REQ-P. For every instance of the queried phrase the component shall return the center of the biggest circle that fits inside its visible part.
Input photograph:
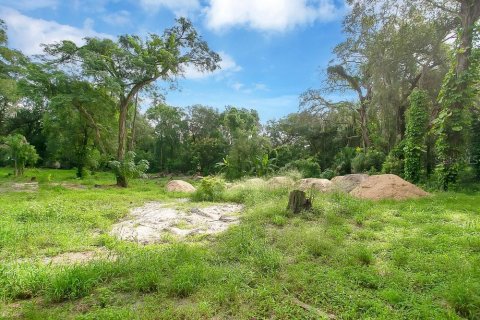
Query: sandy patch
(151, 222)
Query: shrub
(308, 167)
(370, 161)
(395, 161)
(343, 161)
(127, 169)
(210, 189)
(17, 149)
(327, 174)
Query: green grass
(355, 259)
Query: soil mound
(387, 186)
(322, 185)
(180, 186)
(349, 182)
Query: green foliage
(308, 167)
(210, 189)
(328, 174)
(263, 165)
(475, 144)
(17, 150)
(395, 160)
(127, 168)
(456, 98)
(370, 161)
(343, 161)
(417, 125)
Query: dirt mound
(150, 223)
(349, 182)
(387, 186)
(180, 186)
(280, 182)
(322, 185)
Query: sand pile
(349, 182)
(387, 186)
(180, 186)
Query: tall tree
(128, 65)
(459, 91)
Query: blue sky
(272, 50)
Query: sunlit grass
(354, 259)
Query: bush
(395, 161)
(127, 168)
(370, 161)
(308, 167)
(327, 174)
(210, 189)
(343, 161)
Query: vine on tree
(416, 130)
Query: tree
(417, 126)
(128, 168)
(170, 131)
(127, 66)
(458, 93)
(18, 150)
(79, 124)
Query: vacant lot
(346, 259)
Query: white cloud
(31, 4)
(117, 18)
(241, 87)
(227, 66)
(268, 15)
(27, 34)
(179, 7)
(237, 86)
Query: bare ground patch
(151, 222)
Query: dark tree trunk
(122, 138)
(82, 156)
(297, 202)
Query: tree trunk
(298, 202)
(132, 139)
(122, 138)
(364, 126)
(82, 157)
(16, 171)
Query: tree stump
(298, 202)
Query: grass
(354, 259)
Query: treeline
(409, 72)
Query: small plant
(210, 189)
(363, 255)
(127, 169)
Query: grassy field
(346, 259)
